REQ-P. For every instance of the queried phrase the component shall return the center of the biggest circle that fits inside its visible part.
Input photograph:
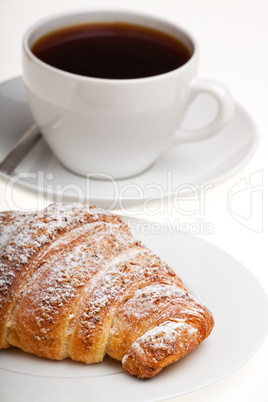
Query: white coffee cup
(99, 126)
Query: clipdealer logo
(245, 201)
(183, 206)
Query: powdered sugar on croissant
(75, 283)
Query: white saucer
(235, 297)
(177, 171)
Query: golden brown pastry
(75, 283)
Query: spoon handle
(20, 149)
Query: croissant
(75, 283)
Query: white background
(233, 36)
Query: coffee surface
(111, 50)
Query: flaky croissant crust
(75, 283)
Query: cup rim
(105, 11)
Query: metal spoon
(20, 149)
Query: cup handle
(225, 109)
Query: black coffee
(111, 50)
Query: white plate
(225, 286)
(179, 169)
